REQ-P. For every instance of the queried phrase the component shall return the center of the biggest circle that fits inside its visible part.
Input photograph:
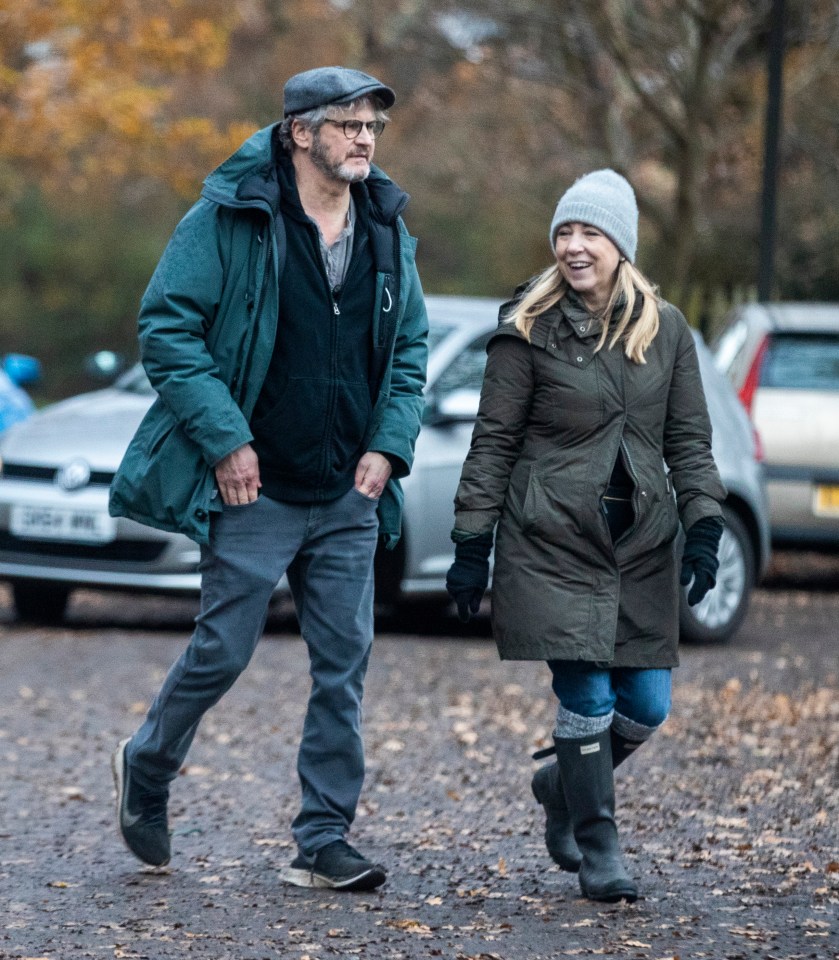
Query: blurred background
(113, 111)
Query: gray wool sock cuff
(571, 726)
(630, 729)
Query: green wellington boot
(559, 833)
(585, 766)
(622, 748)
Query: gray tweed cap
(606, 200)
(325, 85)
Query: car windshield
(438, 330)
(802, 362)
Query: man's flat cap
(325, 85)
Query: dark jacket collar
(579, 318)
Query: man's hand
(371, 474)
(237, 476)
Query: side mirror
(22, 369)
(459, 406)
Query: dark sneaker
(337, 866)
(299, 872)
(141, 814)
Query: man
(284, 330)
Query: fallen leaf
(410, 926)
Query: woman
(591, 386)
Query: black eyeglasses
(352, 128)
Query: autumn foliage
(113, 111)
(89, 89)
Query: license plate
(61, 523)
(827, 500)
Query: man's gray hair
(313, 119)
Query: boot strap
(544, 752)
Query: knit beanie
(605, 200)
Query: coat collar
(576, 318)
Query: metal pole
(770, 153)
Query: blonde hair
(550, 287)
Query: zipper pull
(335, 309)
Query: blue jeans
(637, 700)
(327, 551)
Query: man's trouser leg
(250, 548)
(332, 582)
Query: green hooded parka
(207, 327)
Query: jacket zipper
(385, 309)
(336, 312)
(255, 308)
(635, 496)
(622, 448)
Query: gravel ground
(730, 819)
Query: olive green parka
(555, 414)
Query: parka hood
(250, 175)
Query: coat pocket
(548, 511)
(163, 479)
(659, 522)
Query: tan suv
(783, 359)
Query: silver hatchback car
(783, 360)
(56, 535)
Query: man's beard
(340, 172)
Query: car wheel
(40, 602)
(717, 618)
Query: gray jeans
(327, 551)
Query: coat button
(579, 359)
(582, 328)
(200, 514)
(643, 493)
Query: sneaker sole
(364, 881)
(297, 877)
(118, 771)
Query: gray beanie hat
(326, 85)
(606, 200)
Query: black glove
(699, 560)
(468, 576)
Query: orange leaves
(198, 44)
(94, 91)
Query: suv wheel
(717, 618)
(40, 601)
